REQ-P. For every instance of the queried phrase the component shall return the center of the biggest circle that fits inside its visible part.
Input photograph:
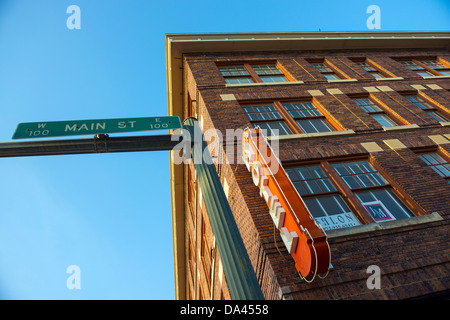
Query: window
(437, 66)
(368, 66)
(427, 67)
(322, 198)
(375, 111)
(374, 72)
(365, 182)
(254, 73)
(437, 163)
(235, 74)
(288, 117)
(308, 118)
(269, 73)
(420, 70)
(325, 70)
(427, 107)
(346, 194)
(267, 117)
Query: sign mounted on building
(83, 127)
(303, 237)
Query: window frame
(431, 106)
(382, 109)
(421, 67)
(290, 121)
(438, 152)
(272, 120)
(374, 68)
(253, 74)
(332, 69)
(320, 117)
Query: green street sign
(86, 127)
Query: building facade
(361, 122)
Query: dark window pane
(314, 207)
(300, 188)
(367, 105)
(321, 125)
(411, 65)
(306, 126)
(366, 166)
(333, 204)
(436, 115)
(274, 128)
(291, 174)
(340, 169)
(317, 172)
(312, 186)
(364, 180)
(321, 67)
(351, 182)
(377, 179)
(301, 109)
(331, 212)
(377, 75)
(331, 76)
(326, 185)
(266, 69)
(303, 173)
(233, 70)
(433, 64)
(268, 79)
(313, 125)
(444, 170)
(384, 120)
(429, 159)
(238, 80)
(353, 167)
(262, 112)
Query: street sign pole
(238, 269)
(241, 277)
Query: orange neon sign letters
(304, 238)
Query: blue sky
(110, 214)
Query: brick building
(363, 124)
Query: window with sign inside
(347, 194)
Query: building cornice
(231, 42)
